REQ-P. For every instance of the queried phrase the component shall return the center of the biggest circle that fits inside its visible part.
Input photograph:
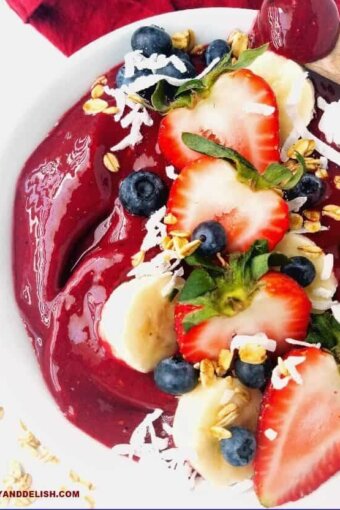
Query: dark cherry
(304, 30)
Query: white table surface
(28, 63)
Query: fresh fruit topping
(209, 189)
(293, 91)
(175, 376)
(137, 323)
(142, 193)
(239, 449)
(324, 285)
(151, 39)
(311, 187)
(305, 416)
(182, 55)
(212, 236)
(216, 49)
(199, 424)
(251, 375)
(215, 304)
(301, 269)
(223, 116)
(173, 72)
(121, 79)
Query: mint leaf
(198, 283)
(189, 86)
(261, 264)
(198, 316)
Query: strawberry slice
(240, 112)
(280, 308)
(306, 418)
(209, 189)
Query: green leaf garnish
(197, 317)
(189, 86)
(196, 260)
(198, 283)
(325, 329)
(262, 263)
(158, 99)
(275, 176)
(187, 94)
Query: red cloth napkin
(71, 24)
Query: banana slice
(138, 323)
(195, 415)
(320, 292)
(294, 94)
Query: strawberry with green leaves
(225, 187)
(245, 298)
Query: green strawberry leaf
(196, 260)
(198, 283)
(275, 176)
(247, 57)
(159, 99)
(325, 329)
(261, 264)
(198, 316)
(189, 86)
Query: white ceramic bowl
(122, 484)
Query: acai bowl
(138, 388)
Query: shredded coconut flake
(259, 339)
(296, 204)
(323, 293)
(290, 363)
(329, 122)
(176, 282)
(270, 434)
(171, 172)
(136, 60)
(336, 311)
(328, 264)
(155, 230)
(153, 452)
(301, 344)
(259, 108)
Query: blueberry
(213, 238)
(173, 72)
(239, 450)
(216, 49)
(151, 39)
(175, 376)
(301, 269)
(121, 79)
(253, 376)
(182, 55)
(310, 187)
(142, 193)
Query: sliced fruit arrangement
(209, 189)
(305, 419)
(244, 299)
(227, 115)
(137, 323)
(293, 92)
(199, 423)
(323, 286)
